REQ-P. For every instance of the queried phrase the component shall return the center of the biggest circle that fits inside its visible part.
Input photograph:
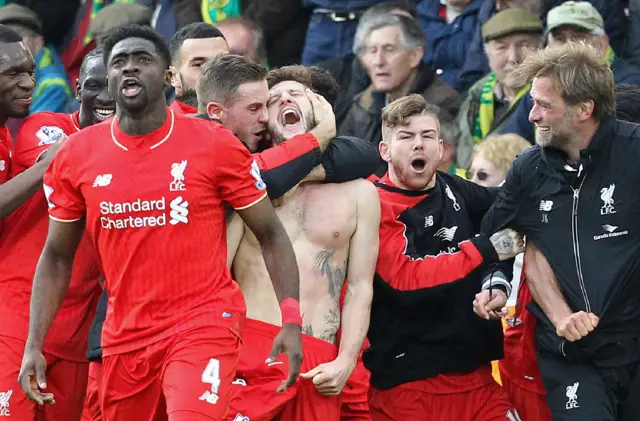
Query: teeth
(104, 112)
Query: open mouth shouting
(131, 87)
(290, 119)
(419, 165)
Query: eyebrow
(133, 52)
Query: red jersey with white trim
(21, 243)
(155, 211)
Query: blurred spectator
(191, 47)
(450, 26)
(448, 136)
(244, 38)
(633, 38)
(52, 90)
(332, 28)
(391, 48)
(348, 70)
(283, 22)
(509, 36)
(476, 64)
(56, 16)
(116, 15)
(628, 102)
(573, 21)
(492, 159)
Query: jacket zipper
(576, 243)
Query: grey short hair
(411, 35)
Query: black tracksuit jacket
(585, 219)
(430, 266)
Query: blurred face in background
(240, 39)
(533, 6)
(566, 33)
(506, 53)
(387, 60)
(484, 173)
(193, 54)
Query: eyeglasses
(482, 176)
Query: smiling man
(334, 231)
(435, 351)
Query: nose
(534, 114)
(418, 143)
(103, 96)
(264, 116)
(379, 58)
(27, 82)
(513, 53)
(130, 67)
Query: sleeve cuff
(486, 249)
(497, 280)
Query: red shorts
(184, 377)
(67, 380)
(254, 394)
(408, 402)
(91, 411)
(355, 395)
(530, 405)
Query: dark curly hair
(136, 31)
(318, 80)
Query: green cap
(574, 13)
(511, 21)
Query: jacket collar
(601, 138)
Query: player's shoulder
(202, 129)
(528, 158)
(45, 127)
(361, 189)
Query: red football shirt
(154, 211)
(182, 108)
(21, 243)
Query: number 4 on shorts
(211, 375)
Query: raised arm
(50, 284)
(330, 378)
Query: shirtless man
(334, 232)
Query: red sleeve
(287, 151)
(36, 134)
(61, 187)
(405, 273)
(237, 173)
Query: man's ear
(385, 151)
(78, 90)
(215, 111)
(174, 79)
(585, 110)
(416, 57)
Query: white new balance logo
(209, 397)
(179, 211)
(102, 180)
(241, 417)
(546, 205)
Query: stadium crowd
(316, 210)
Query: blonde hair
(402, 109)
(501, 150)
(579, 73)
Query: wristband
(290, 309)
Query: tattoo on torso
(323, 268)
